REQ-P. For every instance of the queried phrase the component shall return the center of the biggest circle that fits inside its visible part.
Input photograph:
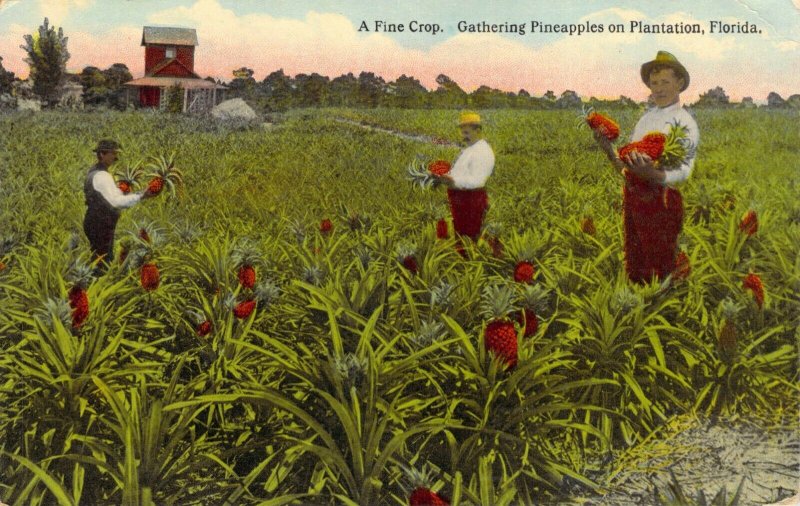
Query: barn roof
(169, 35)
(183, 82)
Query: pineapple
(442, 296)
(424, 173)
(80, 275)
(129, 178)
(500, 334)
(406, 255)
(263, 295)
(245, 257)
(429, 332)
(728, 334)
(625, 300)
(418, 486)
(313, 275)
(534, 304)
(164, 175)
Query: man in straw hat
(467, 178)
(652, 207)
(104, 202)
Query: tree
(775, 100)
(370, 89)
(6, 79)
(105, 87)
(485, 97)
(449, 94)
(550, 96)
(406, 92)
(344, 90)
(243, 83)
(47, 58)
(311, 90)
(277, 89)
(568, 100)
(713, 98)
(175, 98)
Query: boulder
(233, 109)
(24, 104)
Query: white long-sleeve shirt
(104, 183)
(658, 119)
(473, 166)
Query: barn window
(170, 52)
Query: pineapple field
(290, 321)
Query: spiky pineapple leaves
(164, 175)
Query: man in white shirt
(652, 207)
(467, 178)
(104, 202)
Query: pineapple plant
(406, 255)
(6, 245)
(201, 324)
(80, 275)
(245, 258)
(326, 226)
(313, 274)
(534, 304)
(587, 226)
(263, 294)
(500, 333)
(425, 173)
(753, 283)
(164, 175)
(128, 179)
(429, 332)
(491, 233)
(683, 267)
(749, 223)
(728, 333)
(418, 486)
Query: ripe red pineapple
(607, 126)
(149, 276)
(753, 283)
(500, 334)
(682, 267)
(728, 334)
(204, 328)
(164, 175)
(749, 223)
(244, 309)
(439, 167)
(587, 226)
(422, 496)
(155, 185)
(2, 266)
(533, 306)
(124, 187)
(441, 229)
(406, 255)
(247, 276)
(326, 226)
(79, 303)
(524, 271)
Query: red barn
(169, 62)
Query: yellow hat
(665, 58)
(469, 118)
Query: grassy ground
(353, 369)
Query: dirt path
(428, 139)
(705, 456)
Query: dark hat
(107, 145)
(664, 58)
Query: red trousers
(468, 208)
(653, 217)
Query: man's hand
(446, 180)
(642, 165)
(603, 142)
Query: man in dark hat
(652, 206)
(104, 202)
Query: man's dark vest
(100, 215)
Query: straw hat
(469, 118)
(665, 58)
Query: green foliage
(174, 99)
(47, 58)
(350, 370)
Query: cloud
(57, 10)
(605, 65)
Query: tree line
(47, 56)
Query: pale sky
(322, 36)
